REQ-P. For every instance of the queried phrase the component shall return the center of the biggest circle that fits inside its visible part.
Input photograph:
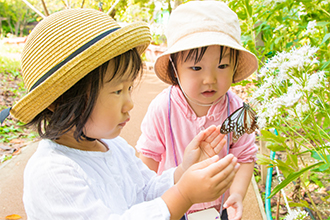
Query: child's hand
(208, 180)
(206, 144)
(234, 205)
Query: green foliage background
(268, 26)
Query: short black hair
(197, 54)
(74, 107)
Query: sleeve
(156, 185)
(153, 129)
(60, 191)
(245, 149)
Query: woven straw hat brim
(136, 35)
(247, 63)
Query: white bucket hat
(203, 23)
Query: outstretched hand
(208, 180)
(206, 144)
(234, 205)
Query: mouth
(124, 123)
(208, 93)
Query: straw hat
(66, 46)
(204, 23)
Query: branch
(113, 7)
(33, 8)
(45, 8)
(82, 4)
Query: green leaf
(322, 168)
(275, 147)
(292, 160)
(264, 160)
(325, 65)
(248, 7)
(322, 23)
(284, 167)
(320, 156)
(326, 37)
(270, 136)
(290, 178)
(301, 204)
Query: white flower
(290, 98)
(311, 28)
(301, 109)
(315, 81)
(286, 78)
(296, 215)
(261, 122)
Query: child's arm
(238, 189)
(202, 182)
(151, 163)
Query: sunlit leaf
(326, 37)
(290, 178)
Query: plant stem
(322, 103)
(294, 131)
(321, 9)
(314, 123)
(310, 197)
(310, 136)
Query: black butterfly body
(243, 120)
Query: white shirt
(66, 183)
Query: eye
(118, 92)
(196, 68)
(223, 66)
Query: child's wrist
(178, 173)
(185, 198)
(176, 202)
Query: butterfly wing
(244, 119)
(250, 120)
(234, 123)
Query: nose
(128, 104)
(210, 77)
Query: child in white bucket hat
(204, 57)
(79, 66)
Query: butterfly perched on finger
(243, 120)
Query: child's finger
(209, 131)
(197, 139)
(219, 146)
(206, 163)
(215, 135)
(226, 170)
(225, 163)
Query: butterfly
(243, 120)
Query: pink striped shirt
(155, 140)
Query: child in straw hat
(204, 57)
(79, 66)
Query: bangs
(127, 66)
(197, 54)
